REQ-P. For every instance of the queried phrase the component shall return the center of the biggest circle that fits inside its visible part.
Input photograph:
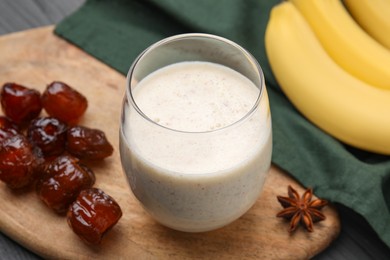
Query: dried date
(64, 102)
(49, 134)
(19, 164)
(19, 103)
(63, 179)
(87, 143)
(93, 214)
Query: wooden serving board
(37, 57)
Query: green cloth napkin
(117, 31)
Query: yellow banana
(346, 42)
(340, 104)
(373, 16)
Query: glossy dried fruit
(63, 102)
(49, 134)
(87, 143)
(19, 103)
(63, 180)
(93, 214)
(18, 162)
(7, 128)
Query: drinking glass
(196, 180)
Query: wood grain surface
(37, 57)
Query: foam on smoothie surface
(195, 96)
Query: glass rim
(249, 56)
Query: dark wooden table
(356, 241)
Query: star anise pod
(301, 209)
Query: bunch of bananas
(333, 71)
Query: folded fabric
(117, 31)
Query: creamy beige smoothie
(200, 160)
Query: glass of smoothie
(195, 136)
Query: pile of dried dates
(48, 152)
